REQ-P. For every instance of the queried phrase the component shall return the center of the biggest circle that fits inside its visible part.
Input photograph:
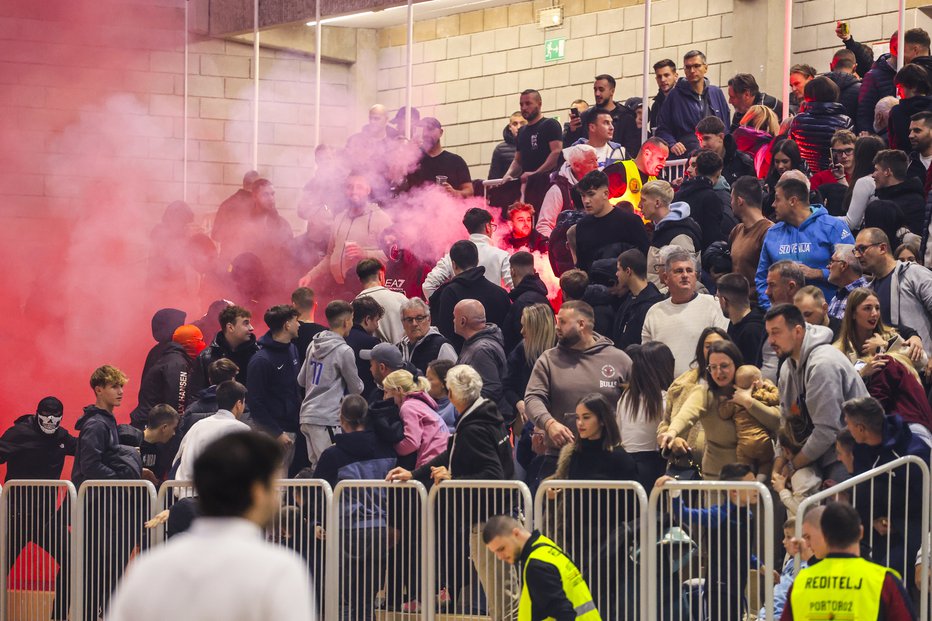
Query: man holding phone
(842, 149)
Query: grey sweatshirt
(328, 373)
(827, 379)
(563, 375)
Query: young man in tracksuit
(272, 382)
(329, 373)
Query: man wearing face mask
(35, 448)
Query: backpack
(560, 257)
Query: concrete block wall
(106, 79)
(469, 68)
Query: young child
(803, 482)
(755, 447)
(728, 535)
(782, 587)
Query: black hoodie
(900, 115)
(468, 285)
(705, 208)
(220, 348)
(736, 163)
(850, 87)
(748, 334)
(355, 455)
(908, 196)
(531, 290)
(629, 320)
(29, 453)
(272, 392)
(98, 453)
(164, 324)
(503, 155)
(170, 380)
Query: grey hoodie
(485, 352)
(563, 375)
(824, 379)
(328, 373)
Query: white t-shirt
(678, 326)
(925, 160)
(638, 435)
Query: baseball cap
(384, 353)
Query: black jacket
(355, 455)
(876, 84)
(603, 305)
(705, 207)
(170, 380)
(900, 115)
(629, 320)
(98, 453)
(667, 230)
(624, 121)
(306, 332)
(30, 453)
(479, 449)
(908, 197)
(220, 348)
(545, 586)
(762, 99)
(736, 163)
(517, 375)
(813, 128)
(359, 340)
(272, 389)
(530, 291)
(164, 324)
(470, 284)
(503, 155)
(749, 334)
(849, 87)
(654, 113)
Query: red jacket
(899, 391)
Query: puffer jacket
(849, 87)
(877, 84)
(503, 155)
(900, 114)
(812, 129)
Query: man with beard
(437, 165)
(523, 236)
(538, 149)
(582, 363)
(623, 123)
(404, 271)
(666, 76)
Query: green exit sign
(554, 49)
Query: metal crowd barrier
(674, 169)
(301, 526)
(883, 497)
(465, 579)
(600, 525)
(710, 546)
(374, 551)
(111, 531)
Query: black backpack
(560, 257)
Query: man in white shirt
(678, 322)
(371, 274)
(223, 569)
(231, 403)
(478, 223)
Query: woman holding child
(738, 410)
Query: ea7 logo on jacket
(795, 248)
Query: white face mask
(48, 424)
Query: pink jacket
(425, 432)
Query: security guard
(552, 586)
(627, 177)
(843, 585)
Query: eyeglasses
(863, 248)
(417, 319)
(715, 368)
(849, 151)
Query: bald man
(372, 133)
(235, 209)
(483, 349)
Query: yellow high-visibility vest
(574, 585)
(626, 186)
(838, 588)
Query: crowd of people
(767, 317)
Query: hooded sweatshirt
(485, 352)
(30, 453)
(272, 390)
(425, 433)
(531, 290)
(705, 208)
(503, 155)
(677, 229)
(564, 375)
(849, 87)
(98, 451)
(170, 380)
(812, 244)
(329, 373)
(363, 230)
(491, 257)
(816, 386)
(164, 324)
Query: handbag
(688, 471)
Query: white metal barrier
(374, 551)
(710, 556)
(674, 169)
(600, 525)
(36, 549)
(464, 575)
(883, 497)
(111, 517)
(301, 526)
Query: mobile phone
(845, 29)
(835, 158)
(574, 112)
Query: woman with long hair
(784, 156)
(705, 402)
(861, 187)
(759, 126)
(641, 407)
(882, 357)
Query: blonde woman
(425, 434)
(758, 128)
(538, 332)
